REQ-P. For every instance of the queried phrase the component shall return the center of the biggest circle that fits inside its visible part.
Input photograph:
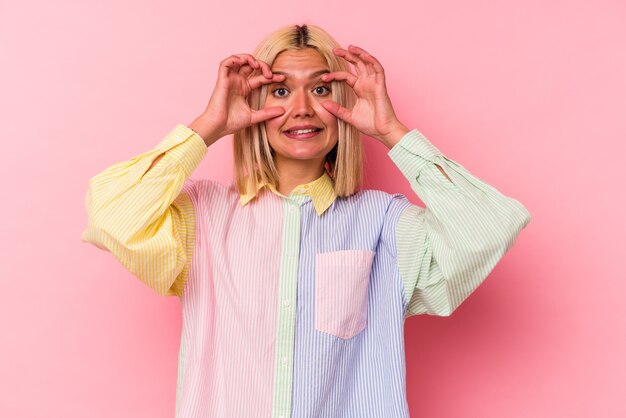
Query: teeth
(302, 131)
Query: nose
(302, 105)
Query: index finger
(366, 56)
(354, 59)
(340, 75)
(259, 80)
(265, 68)
(252, 62)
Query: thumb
(337, 110)
(267, 113)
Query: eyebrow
(313, 75)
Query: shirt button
(285, 360)
(286, 302)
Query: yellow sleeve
(146, 218)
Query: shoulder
(207, 190)
(375, 195)
(375, 200)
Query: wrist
(205, 130)
(394, 135)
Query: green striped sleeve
(448, 248)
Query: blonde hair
(252, 151)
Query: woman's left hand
(372, 113)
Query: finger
(246, 70)
(232, 60)
(351, 58)
(354, 60)
(232, 63)
(367, 57)
(265, 68)
(259, 80)
(252, 62)
(236, 61)
(364, 66)
(349, 78)
(267, 113)
(338, 110)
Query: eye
(321, 90)
(280, 92)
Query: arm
(136, 211)
(141, 211)
(446, 250)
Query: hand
(228, 111)
(372, 113)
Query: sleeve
(146, 218)
(446, 250)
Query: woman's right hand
(228, 110)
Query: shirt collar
(322, 192)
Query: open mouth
(302, 133)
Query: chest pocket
(341, 291)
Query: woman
(294, 283)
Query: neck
(293, 173)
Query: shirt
(294, 306)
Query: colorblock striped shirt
(294, 306)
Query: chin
(302, 157)
(302, 153)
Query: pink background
(529, 96)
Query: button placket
(287, 290)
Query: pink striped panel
(341, 288)
(230, 306)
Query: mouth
(302, 133)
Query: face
(306, 132)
